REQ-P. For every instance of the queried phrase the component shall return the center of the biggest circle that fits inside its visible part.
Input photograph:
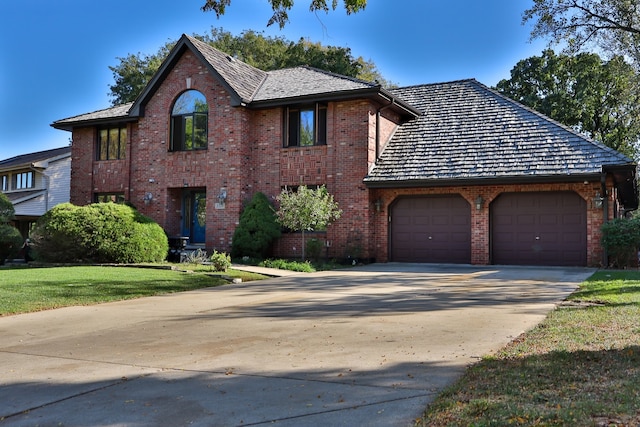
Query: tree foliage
(596, 97)
(307, 210)
(267, 53)
(256, 230)
(7, 211)
(612, 25)
(281, 8)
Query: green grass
(580, 367)
(24, 290)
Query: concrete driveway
(368, 346)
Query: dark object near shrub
(256, 230)
(10, 242)
(101, 232)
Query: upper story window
(189, 118)
(23, 180)
(4, 183)
(305, 126)
(112, 143)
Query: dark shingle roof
(241, 78)
(109, 114)
(469, 132)
(30, 158)
(305, 81)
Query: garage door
(431, 229)
(539, 229)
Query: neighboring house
(451, 172)
(35, 183)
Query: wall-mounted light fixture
(598, 200)
(479, 203)
(148, 197)
(221, 199)
(378, 205)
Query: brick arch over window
(189, 122)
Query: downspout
(605, 210)
(378, 116)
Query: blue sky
(54, 55)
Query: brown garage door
(539, 229)
(434, 229)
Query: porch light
(222, 197)
(479, 203)
(598, 200)
(378, 204)
(148, 197)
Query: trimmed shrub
(10, 242)
(621, 240)
(257, 229)
(101, 232)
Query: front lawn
(580, 367)
(24, 290)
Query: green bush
(10, 242)
(256, 230)
(621, 240)
(101, 232)
(283, 264)
(220, 261)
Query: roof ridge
(332, 74)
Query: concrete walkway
(368, 346)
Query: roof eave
(480, 181)
(376, 93)
(69, 126)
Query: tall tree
(593, 96)
(612, 25)
(133, 72)
(306, 210)
(281, 8)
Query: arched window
(189, 122)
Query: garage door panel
(439, 226)
(545, 229)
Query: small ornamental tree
(307, 210)
(10, 237)
(256, 230)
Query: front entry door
(195, 213)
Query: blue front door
(195, 214)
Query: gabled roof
(247, 85)
(31, 159)
(470, 134)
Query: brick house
(450, 172)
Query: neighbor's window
(4, 183)
(112, 143)
(23, 180)
(306, 126)
(189, 122)
(109, 197)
